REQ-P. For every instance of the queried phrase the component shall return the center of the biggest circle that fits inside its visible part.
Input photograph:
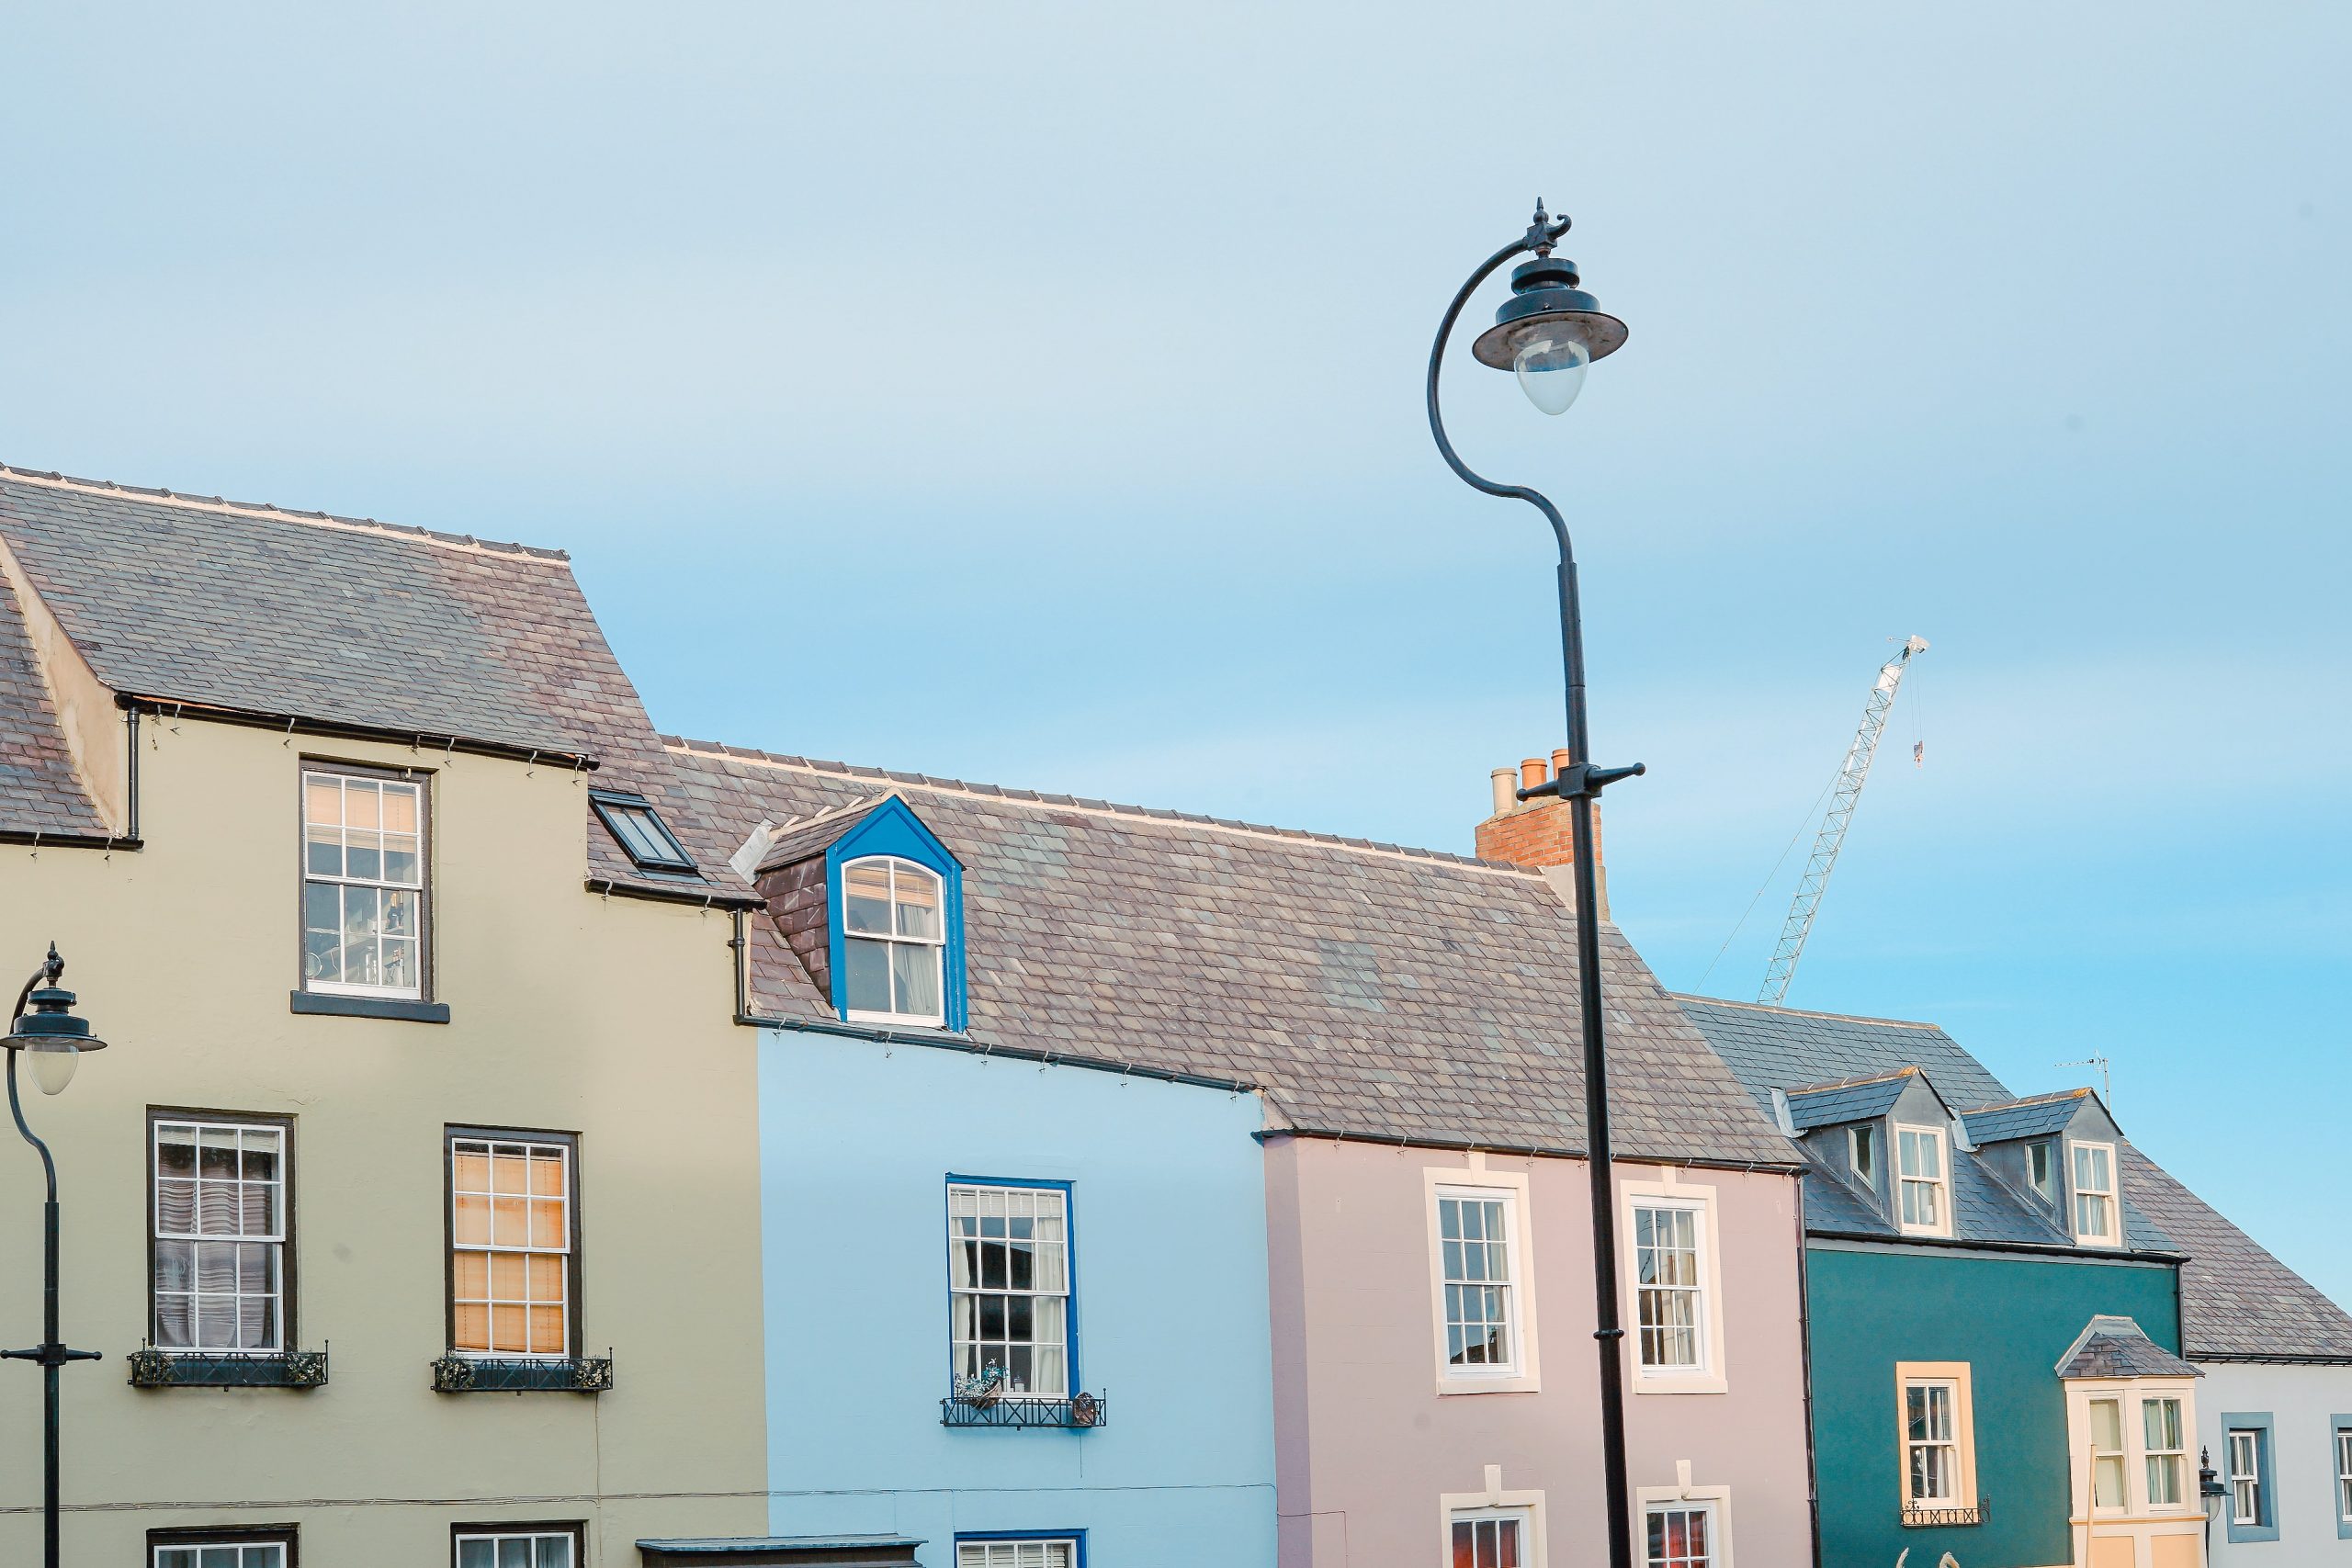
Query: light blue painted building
(1165, 1218)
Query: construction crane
(1845, 796)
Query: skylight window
(639, 831)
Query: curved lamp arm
(1540, 237)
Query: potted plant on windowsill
(982, 1390)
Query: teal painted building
(2010, 1317)
(1993, 1325)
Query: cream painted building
(421, 1068)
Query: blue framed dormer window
(896, 931)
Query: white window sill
(895, 1020)
(1680, 1382)
(1500, 1382)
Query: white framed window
(893, 941)
(1925, 1198)
(2097, 1216)
(1670, 1287)
(1671, 1261)
(514, 1233)
(2342, 1473)
(218, 1259)
(1862, 1150)
(1474, 1227)
(1939, 1437)
(1009, 1289)
(2108, 1489)
(535, 1547)
(2246, 1476)
(1027, 1552)
(218, 1549)
(363, 884)
(2040, 1171)
(1680, 1535)
(2167, 1453)
(1491, 1537)
(1482, 1269)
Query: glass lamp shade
(54, 1062)
(1551, 370)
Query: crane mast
(1846, 795)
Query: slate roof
(1857, 1101)
(40, 790)
(344, 621)
(2237, 1300)
(2036, 1116)
(2116, 1347)
(1772, 1047)
(798, 842)
(1368, 990)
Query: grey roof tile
(266, 612)
(1384, 995)
(2236, 1298)
(40, 790)
(1857, 1101)
(2117, 1347)
(2037, 1116)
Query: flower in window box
(983, 1389)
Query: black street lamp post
(1548, 333)
(55, 1040)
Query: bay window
(2167, 1451)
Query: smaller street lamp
(2210, 1492)
(55, 1038)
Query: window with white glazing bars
(512, 1227)
(1008, 1250)
(2094, 1192)
(2246, 1477)
(1919, 1153)
(1475, 1242)
(1931, 1439)
(2108, 1474)
(1056, 1553)
(1678, 1535)
(2166, 1452)
(515, 1549)
(219, 1264)
(1670, 1310)
(894, 941)
(221, 1553)
(363, 884)
(1490, 1538)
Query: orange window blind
(511, 1229)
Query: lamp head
(50, 1033)
(1549, 330)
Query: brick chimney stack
(1536, 832)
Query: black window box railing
(1916, 1517)
(523, 1374)
(151, 1368)
(1078, 1413)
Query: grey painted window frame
(2265, 1474)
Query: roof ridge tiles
(2044, 1098)
(1906, 1071)
(1100, 807)
(1803, 1012)
(53, 480)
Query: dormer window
(2097, 1218)
(639, 831)
(894, 941)
(1862, 1147)
(1925, 1196)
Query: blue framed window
(897, 931)
(2251, 1509)
(1013, 1291)
(1021, 1549)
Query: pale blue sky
(1032, 394)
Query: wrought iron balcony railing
(523, 1374)
(1917, 1517)
(1078, 1413)
(151, 1368)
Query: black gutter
(2030, 1249)
(302, 724)
(43, 841)
(941, 1039)
(707, 899)
(1530, 1151)
(1805, 1343)
(2252, 1359)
